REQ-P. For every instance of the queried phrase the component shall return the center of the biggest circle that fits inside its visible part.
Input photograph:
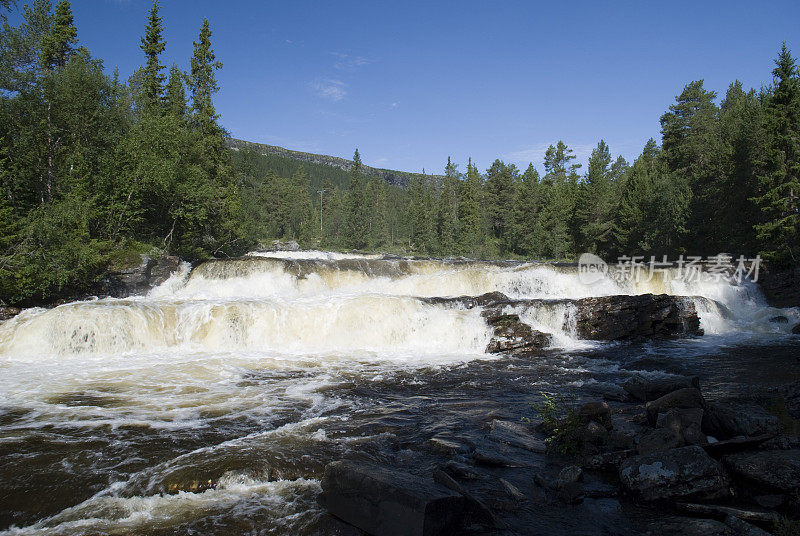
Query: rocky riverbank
(708, 467)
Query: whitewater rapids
(216, 397)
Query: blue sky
(410, 83)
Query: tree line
(95, 170)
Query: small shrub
(562, 424)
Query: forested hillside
(95, 170)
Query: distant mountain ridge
(395, 178)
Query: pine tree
(499, 188)
(779, 171)
(153, 45)
(59, 44)
(691, 149)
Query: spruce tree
(471, 215)
(447, 210)
(595, 203)
(153, 45)
(357, 218)
(525, 212)
(779, 171)
(175, 94)
(203, 83)
(59, 43)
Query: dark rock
(780, 319)
(596, 411)
(777, 470)
(682, 473)
(568, 475)
(571, 493)
(512, 490)
(7, 313)
(659, 440)
(625, 317)
(383, 501)
(460, 471)
(686, 422)
(736, 444)
(624, 433)
(791, 392)
(594, 434)
(689, 397)
(761, 516)
(136, 280)
(441, 445)
(689, 526)
(725, 421)
(796, 329)
(485, 455)
(279, 245)
(516, 435)
(609, 461)
(744, 528)
(484, 514)
(333, 526)
(770, 501)
(647, 389)
(609, 391)
(512, 336)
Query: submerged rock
(681, 473)
(383, 501)
(9, 312)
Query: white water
(186, 355)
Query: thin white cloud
(535, 153)
(347, 61)
(329, 88)
(394, 105)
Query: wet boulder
(516, 435)
(729, 420)
(124, 281)
(687, 398)
(677, 474)
(659, 440)
(383, 501)
(686, 422)
(796, 329)
(512, 336)
(650, 388)
(597, 411)
(774, 470)
(780, 319)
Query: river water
(212, 404)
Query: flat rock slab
(516, 435)
(681, 473)
(725, 421)
(762, 516)
(387, 502)
(774, 469)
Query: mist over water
(216, 400)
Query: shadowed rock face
(139, 279)
(646, 316)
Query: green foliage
(562, 422)
(153, 45)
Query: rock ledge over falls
(605, 318)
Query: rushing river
(213, 404)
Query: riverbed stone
(729, 420)
(647, 389)
(681, 473)
(690, 526)
(597, 411)
(686, 422)
(776, 470)
(796, 329)
(659, 440)
(383, 501)
(689, 397)
(516, 435)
